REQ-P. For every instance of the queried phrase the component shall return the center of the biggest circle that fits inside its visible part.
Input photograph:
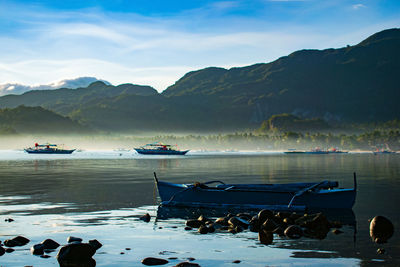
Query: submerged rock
(154, 261)
(187, 264)
(380, 229)
(145, 218)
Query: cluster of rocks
(75, 253)
(267, 223)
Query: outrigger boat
(48, 149)
(160, 149)
(291, 196)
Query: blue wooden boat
(48, 149)
(160, 149)
(292, 196)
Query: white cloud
(358, 6)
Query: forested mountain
(359, 83)
(31, 120)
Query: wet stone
(194, 223)
(2, 251)
(75, 252)
(37, 249)
(187, 228)
(236, 261)
(265, 237)
(9, 250)
(73, 239)
(45, 256)
(203, 229)
(293, 232)
(16, 241)
(50, 244)
(145, 218)
(153, 261)
(187, 264)
(263, 215)
(381, 229)
(337, 231)
(381, 251)
(95, 244)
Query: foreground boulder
(37, 249)
(187, 264)
(380, 229)
(76, 254)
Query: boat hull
(189, 195)
(49, 151)
(160, 152)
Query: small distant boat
(48, 149)
(335, 150)
(294, 151)
(160, 149)
(384, 151)
(317, 150)
(292, 196)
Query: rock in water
(74, 239)
(154, 261)
(293, 232)
(95, 244)
(265, 237)
(76, 253)
(2, 251)
(194, 223)
(380, 229)
(37, 249)
(187, 264)
(145, 218)
(16, 241)
(50, 244)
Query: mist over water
(99, 194)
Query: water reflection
(101, 197)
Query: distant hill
(66, 100)
(359, 83)
(31, 120)
(290, 123)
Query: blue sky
(157, 42)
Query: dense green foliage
(355, 84)
(29, 120)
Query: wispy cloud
(358, 6)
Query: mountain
(357, 83)
(66, 100)
(31, 120)
(16, 88)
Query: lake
(100, 195)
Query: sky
(155, 42)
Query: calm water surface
(100, 194)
